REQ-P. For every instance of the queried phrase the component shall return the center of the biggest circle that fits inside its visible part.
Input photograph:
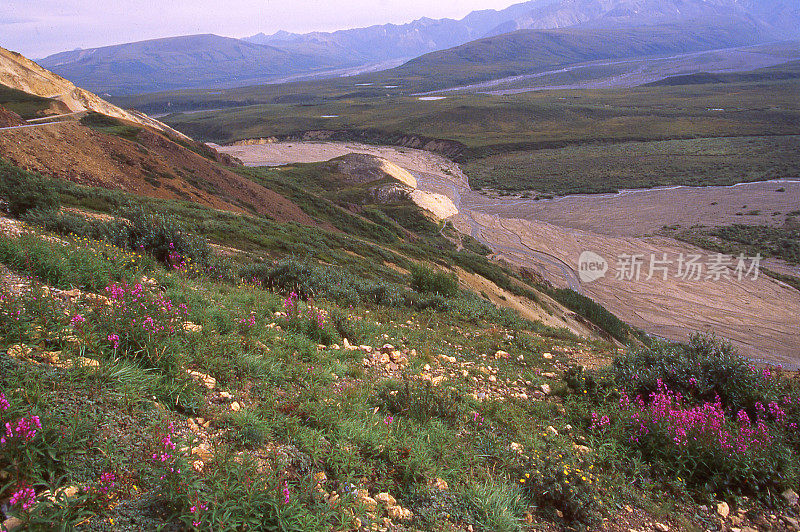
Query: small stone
(225, 395)
(790, 496)
(188, 326)
(492, 378)
(549, 375)
(366, 348)
(235, 406)
(791, 521)
(201, 378)
(516, 447)
(12, 523)
(660, 527)
(582, 449)
(547, 356)
(723, 510)
(387, 348)
(551, 431)
(203, 452)
(501, 354)
(386, 499)
(19, 351)
(545, 389)
(398, 513)
(440, 484)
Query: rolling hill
(22, 80)
(525, 51)
(206, 61)
(178, 62)
(101, 145)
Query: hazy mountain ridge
(210, 61)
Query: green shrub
(557, 477)
(703, 370)
(24, 191)
(700, 414)
(315, 281)
(430, 281)
(421, 400)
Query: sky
(37, 28)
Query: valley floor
(757, 315)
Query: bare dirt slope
(9, 118)
(152, 166)
(19, 72)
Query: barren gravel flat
(758, 316)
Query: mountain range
(209, 61)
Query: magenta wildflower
(4, 405)
(25, 495)
(114, 340)
(285, 492)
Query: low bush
(698, 413)
(24, 191)
(557, 478)
(429, 281)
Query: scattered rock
(551, 431)
(12, 523)
(545, 389)
(791, 521)
(723, 510)
(386, 499)
(225, 395)
(660, 527)
(203, 452)
(440, 484)
(790, 496)
(201, 378)
(387, 349)
(398, 513)
(547, 356)
(19, 351)
(501, 354)
(188, 326)
(582, 449)
(516, 447)
(235, 406)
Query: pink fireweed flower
(4, 405)
(25, 495)
(285, 492)
(107, 482)
(388, 419)
(77, 320)
(114, 340)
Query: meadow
(550, 141)
(152, 380)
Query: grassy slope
(314, 424)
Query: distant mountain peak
(211, 61)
